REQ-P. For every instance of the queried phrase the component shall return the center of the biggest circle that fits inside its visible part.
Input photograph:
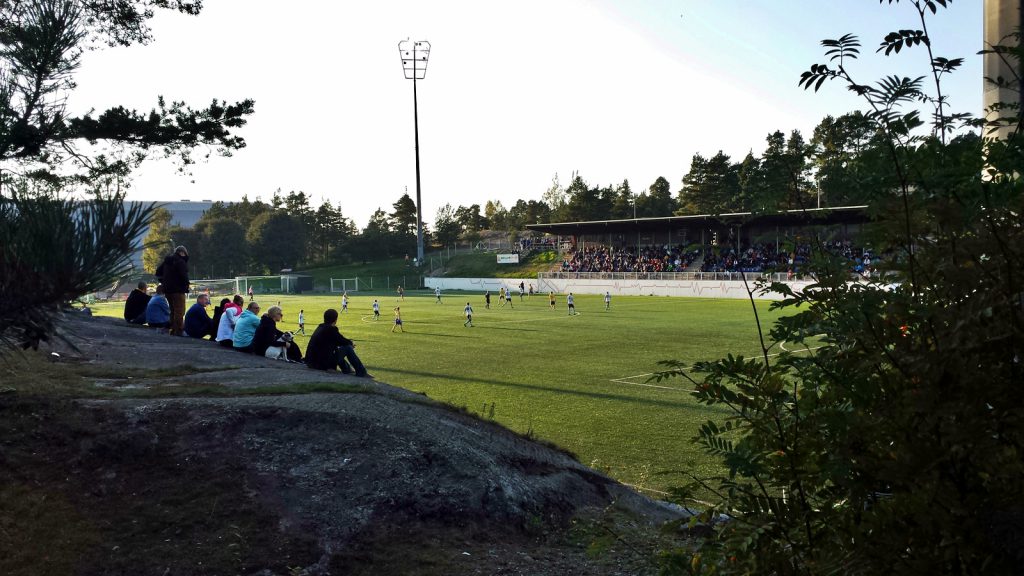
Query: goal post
(344, 284)
(260, 284)
(213, 287)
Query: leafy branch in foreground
(893, 440)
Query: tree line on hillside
(843, 164)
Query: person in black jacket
(135, 305)
(329, 350)
(268, 335)
(197, 321)
(173, 274)
(218, 311)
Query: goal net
(213, 287)
(261, 285)
(344, 284)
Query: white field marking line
(626, 380)
(794, 351)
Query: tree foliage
(43, 42)
(276, 241)
(887, 437)
(157, 243)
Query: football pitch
(580, 382)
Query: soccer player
(376, 309)
(531, 289)
(401, 293)
(302, 322)
(572, 304)
(487, 299)
(522, 291)
(398, 319)
(250, 293)
(551, 300)
(344, 302)
(607, 300)
(437, 293)
(501, 297)
(469, 315)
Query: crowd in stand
(757, 257)
(235, 324)
(647, 259)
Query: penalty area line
(626, 380)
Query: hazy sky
(515, 92)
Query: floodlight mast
(414, 64)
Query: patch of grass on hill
(387, 274)
(485, 265)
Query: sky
(515, 92)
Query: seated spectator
(228, 319)
(269, 340)
(218, 311)
(197, 322)
(135, 305)
(329, 350)
(158, 311)
(245, 328)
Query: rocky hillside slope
(170, 456)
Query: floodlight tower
(414, 65)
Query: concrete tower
(1002, 17)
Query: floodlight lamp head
(415, 55)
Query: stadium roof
(837, 215)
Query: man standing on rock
(173, 274)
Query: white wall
(691, 288)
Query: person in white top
(469, 315)
(344, 302)
(437, 292)
(607, 300)
(302, 322)
(226, 328)
(572, 304)
(376, 309)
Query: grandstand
(709, 246)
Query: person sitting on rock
(218, 311)
(245, 328)
(271, 342)
(197, 322)
(228, 319)
(329, 350)
(135, 305)
(158, 311)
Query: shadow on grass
(553, 390)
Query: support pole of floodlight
(414, 64)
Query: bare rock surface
(375, 480)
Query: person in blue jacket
(197, 321)
(158, 311)
(245, 328)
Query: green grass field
(577, 381)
